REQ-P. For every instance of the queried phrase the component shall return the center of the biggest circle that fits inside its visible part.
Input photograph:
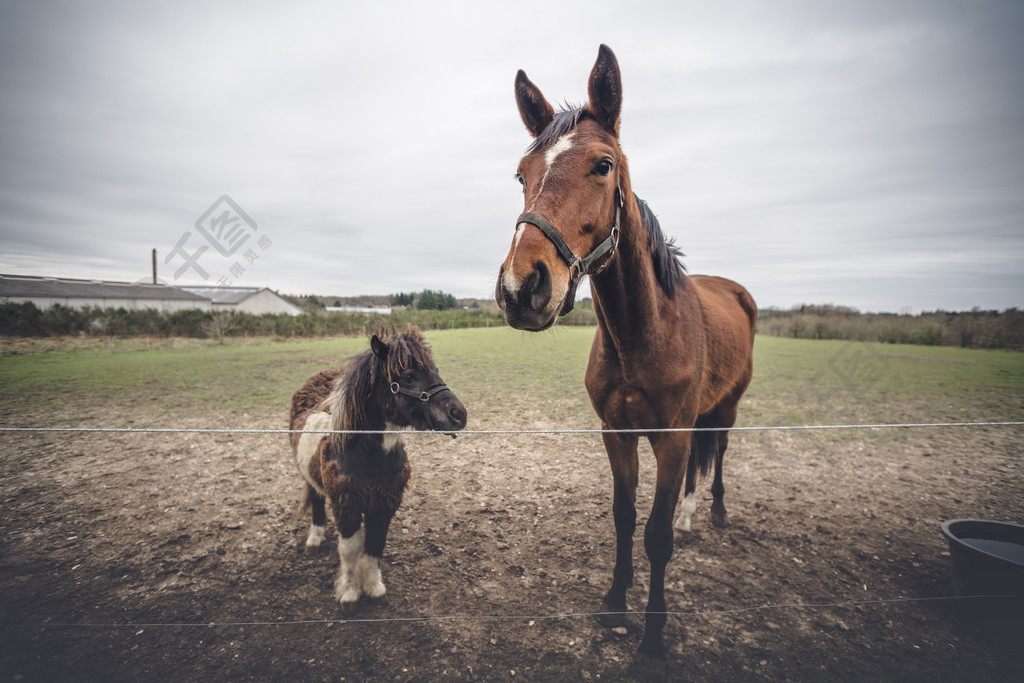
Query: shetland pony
(393, 386)
(671, 350)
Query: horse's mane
(365, 386)
(665, 255)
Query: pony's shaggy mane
(367, 381)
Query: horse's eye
(603, 167)
(519, 177)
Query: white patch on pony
(349, 584)
(394, 437)
(316, 536)
(309, 442)
(686, 511)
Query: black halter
(578, 266)
(424, 397)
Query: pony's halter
(578, 266)
(424, 397)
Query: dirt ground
(177, 557)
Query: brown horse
(671, 350)
(392, 387)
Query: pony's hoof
(611, 616)
(381, 601)
(719, 520)
(349, 609)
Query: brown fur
(671, 350)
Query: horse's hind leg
(317, 529)
(718, 514)
(727, 418)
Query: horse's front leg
(672, 452)
(377, 525)
(622, 456)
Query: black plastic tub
(988, 567)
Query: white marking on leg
(348, 585)
(305, 452)
(369, 570)
(686, 511)
(316, 536)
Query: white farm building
(247, 299)
(45, 292)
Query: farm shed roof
(223, 295)
(36, 286)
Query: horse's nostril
(540, 290)
(457, 413)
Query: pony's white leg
(316, 536)
(348, 585)
(686, 510)
(372, 583)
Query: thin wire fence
(665, 430)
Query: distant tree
(438, 301)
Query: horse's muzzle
(529, 307)
(447, 414)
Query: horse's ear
(534, 109)
(605, 90)
(380, 349)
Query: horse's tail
(703, 447)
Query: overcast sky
(869, 154)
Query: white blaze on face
(562, 145)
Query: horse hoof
(611, 616)
(349, 609)
(647, 667)
(382, 601)
(719, 521)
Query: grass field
(795, 381)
